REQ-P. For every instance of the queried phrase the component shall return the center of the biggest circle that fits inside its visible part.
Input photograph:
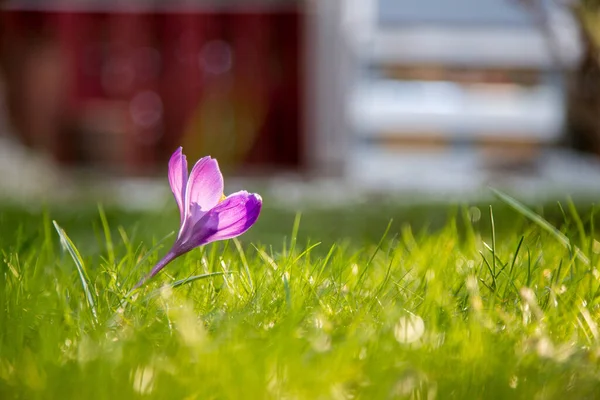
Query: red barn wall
(120, 91)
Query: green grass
(459, 302)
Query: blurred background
(322, 101)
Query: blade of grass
(288, 291)
(468, 223)
(269, 260)
(566, 221)
(68, 245)
(490, 270)
(493, 228)
(153, 249)
(592, 240)
(366, 268)
(181, 282)
(305, 252)
(244, 260)
(542, 223)
(578, 223)
(514, 260)
(510, 276)
(295, 229)
(48, 233)
(497, 258)
(528, 267)
(385, 281)
(107, 236)
(195, 278)
(325, 262)
(125, 239)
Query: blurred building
(118, 85)
(448, 93)
(386, 93)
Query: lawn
(465, 302)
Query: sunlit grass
(485, 305)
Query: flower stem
(170, 256)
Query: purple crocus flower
(207, 215)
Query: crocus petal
(204, 189)
(178, 176)
(230, 218)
